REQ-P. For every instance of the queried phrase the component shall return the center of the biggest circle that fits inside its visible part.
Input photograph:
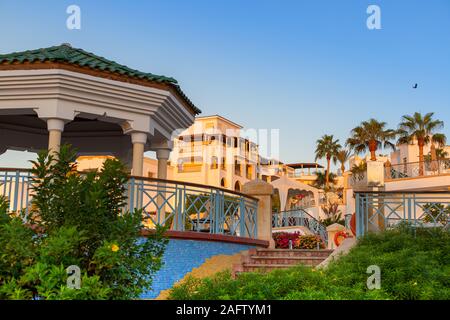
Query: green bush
(413, 266)
(436, 213)
(76, 220)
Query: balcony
(180, 206)
(417, 169)
(302, 175)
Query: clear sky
(304, 67)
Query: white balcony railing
(417, 169)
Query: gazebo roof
(66, 54)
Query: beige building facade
(213, 152)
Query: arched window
(223, 183)
(237, 186)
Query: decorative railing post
(16, 182)
(359, 215)
(331, 232)
(263, 192)
(178, 217)
(218, 212)
(242, 218)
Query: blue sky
(305, 67)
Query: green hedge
(414, 265)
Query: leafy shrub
(332, 213)
(4, 205)
(77, 220)
(298, 241)
(436, 212)
(412, 267)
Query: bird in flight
(415, 86)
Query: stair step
(282, 260)
(263, 260)
(269, 267)
(282, 252)
(294, 250)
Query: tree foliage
(371, 135)
(77, 219)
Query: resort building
(212, 152)
(273, 169)
(305, 172)
(150, 167)
(400, 172)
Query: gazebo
(285, 184)
(62, 94)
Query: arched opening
(297, 199)
(223, 183)
(237, 186)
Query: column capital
(167, 145)
(163, 153)
(138, 137)
(55, 124)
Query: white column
(138, 139)
(162, 154)
(55, 128)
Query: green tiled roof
(79, 57)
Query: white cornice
(80, 93)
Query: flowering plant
(298, 241)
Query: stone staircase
(266, 260)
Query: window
(237, 186)
(249, 172)
(237, 167)
(223, 183)
(223, 165)
(214, 163)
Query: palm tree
(321, 179)
(327, 148)
(371, 135)
(343, 156)
(440, 154)
(421, 129)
